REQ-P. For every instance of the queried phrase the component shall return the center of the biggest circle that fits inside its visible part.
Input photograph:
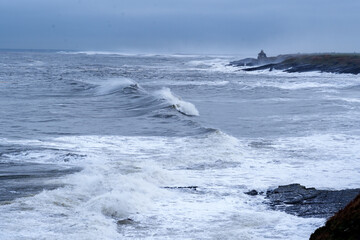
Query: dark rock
(252, 193)
(309, 202)
(252, 62)
(344, 225)
(260, 61)
(263, 67)
(125, 221)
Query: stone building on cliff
(261, 56)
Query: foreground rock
(344, 225)
(308, 202)
(333, 63)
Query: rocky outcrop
(252, 62)
(344, 225)
(333, 63)
(308, 202)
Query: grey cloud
(210, 26)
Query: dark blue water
(91, 139)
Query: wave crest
(180, 105)
(115, 85)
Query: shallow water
(88, 140)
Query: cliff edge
(344, 225)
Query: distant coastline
(326, 62)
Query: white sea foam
(214, 64)
(182, 106)
(311, 74)
(123, 176)
(187, 83)
(283, 73)
(294, 82)
(111, 187)
(350, 100)
(331, 158)
(295, 85)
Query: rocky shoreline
(331, 63)
(344, 225)
(309, 202)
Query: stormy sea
(97, 145)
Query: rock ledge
(308, 202)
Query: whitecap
(180, 105)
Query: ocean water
(111, 146)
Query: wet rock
(254, 62)
(125, 221)
(345, 224)
(252, 193)
(309, 202)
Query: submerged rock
(126, 221)
(308, 202)
(344, 225)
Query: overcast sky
(182, 26)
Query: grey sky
(199, 26)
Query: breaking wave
(139, 98)
(180, 105)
